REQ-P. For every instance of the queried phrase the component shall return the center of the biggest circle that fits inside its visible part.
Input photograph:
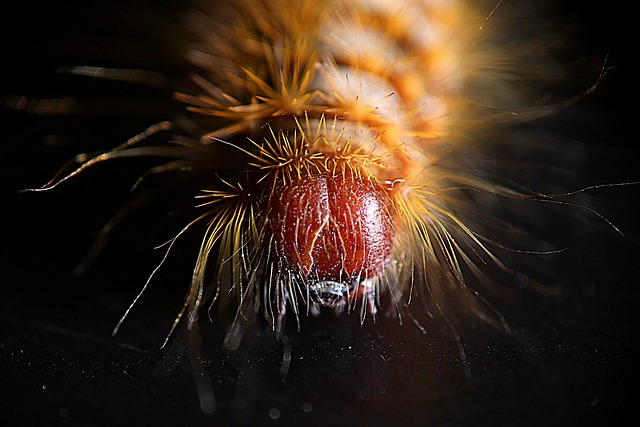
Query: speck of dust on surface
(274, 413)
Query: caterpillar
(336, 146)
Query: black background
(570, 361)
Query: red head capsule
(335, 231)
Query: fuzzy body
(330, 130)
(364, 91)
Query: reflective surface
(573, 364)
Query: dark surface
(571, 360)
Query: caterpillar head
(334, 233)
